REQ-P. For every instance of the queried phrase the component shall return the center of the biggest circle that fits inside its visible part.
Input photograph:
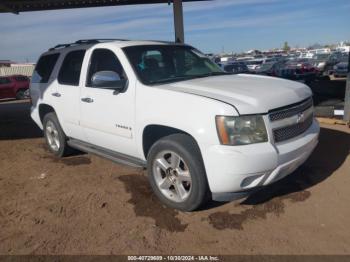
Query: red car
(15, 86)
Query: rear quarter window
(44, 68)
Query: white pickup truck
(202, 133)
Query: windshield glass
(155, 64)
(321, 57)
(266, 66)
(254, 62)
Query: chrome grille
(291, 121)
(291, 110)
(288, 132)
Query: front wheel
(177, 174)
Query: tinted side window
(104, 60)
(4, 81)
(70, 69)
(21, 78)
(44, 68)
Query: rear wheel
(176, 172)
(55, 138)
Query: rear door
(68, 93)
(22, 82)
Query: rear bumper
(233, 172)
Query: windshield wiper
(180, 78)
(212, 74)
(170, 79)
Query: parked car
(324, 63)
(234, 67)
(15, 86)
(293, 70)
(299, 70)
(341, 69)
(256, 63)
(271, 69)
(253, 64)
(202, 133)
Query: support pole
(178, 21)
(347, 96)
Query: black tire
(184, 146)
(20, 95)
(63, 149)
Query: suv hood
(249, 94)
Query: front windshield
(155, 64)
(266, 66)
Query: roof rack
(161, 41)
(92, 41)
(85, 42)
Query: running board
(106, 153)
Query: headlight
(241, 130)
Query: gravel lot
(87, 205)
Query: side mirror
(108, 80)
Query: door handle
(87, 100)
(56, 94)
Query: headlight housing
(241, 130)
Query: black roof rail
(84, 42)
(88, 41)
(59, 46)
(160, 41)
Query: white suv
(202, 133)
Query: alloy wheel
(172, 176)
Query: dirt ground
(87, 205)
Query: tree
(286, 47)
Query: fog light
(254, 180)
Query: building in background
(5, 63)
(8, 67)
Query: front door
(107, 117)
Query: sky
(211, 26)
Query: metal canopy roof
(16, 6)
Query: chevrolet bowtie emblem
(300, 118)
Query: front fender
(189, 113)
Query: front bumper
(234, 171)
